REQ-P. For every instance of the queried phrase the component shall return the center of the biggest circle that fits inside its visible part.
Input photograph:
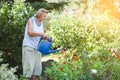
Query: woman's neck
(38, 21)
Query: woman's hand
(46, 37)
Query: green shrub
(66, 32)
(13, 20)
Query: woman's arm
(30, 30)
(34, 34)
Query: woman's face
(43, 16)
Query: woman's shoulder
(30, 19)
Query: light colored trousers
(31, 60)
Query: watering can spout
(53, 51)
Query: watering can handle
(50, 39)
(41, 39)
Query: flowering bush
(68, 67)
(7, 73)
(88, 37)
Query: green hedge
(12, 23)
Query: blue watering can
(45, 46)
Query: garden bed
(46, 63)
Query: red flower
(64, 62)
(75, 57)
(61, 68)
(117, 54)
(63, 50)
(102, 58)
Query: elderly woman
(31, 57)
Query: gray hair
(40, 11)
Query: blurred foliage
(112, 7)
(31, 1)
(37, 4)
(6, 0)
(49, 6)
